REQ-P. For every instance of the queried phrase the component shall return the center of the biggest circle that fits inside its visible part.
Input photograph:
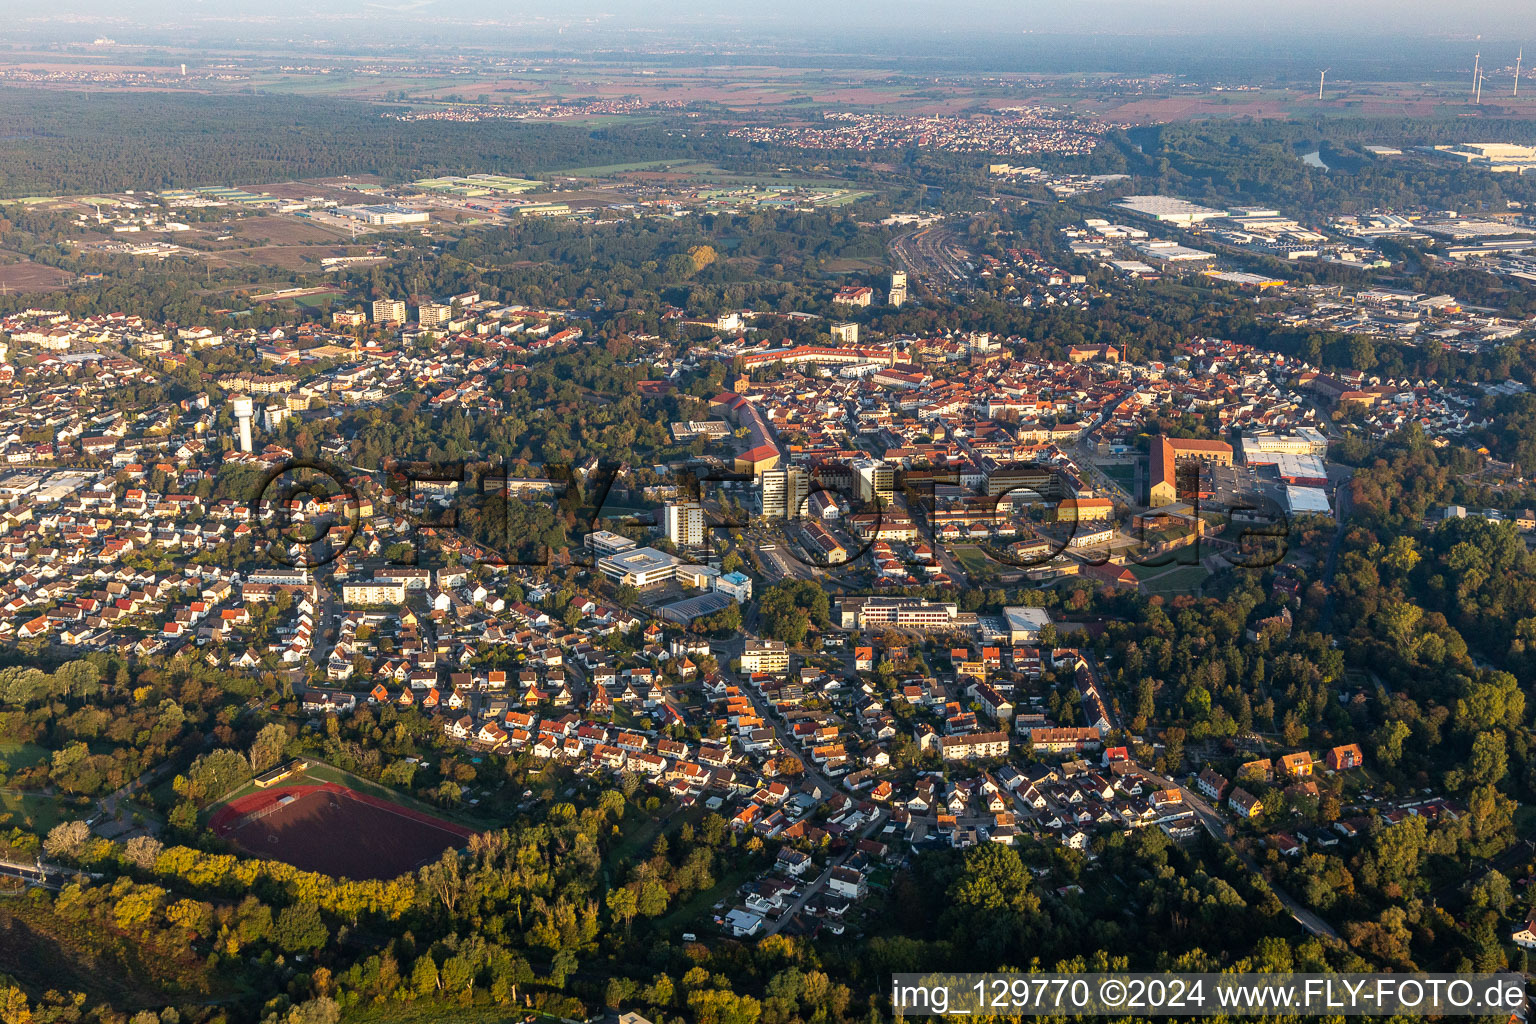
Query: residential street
(1216, 825)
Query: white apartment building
(683, 524)
(388, 311)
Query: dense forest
(1248, 161)
(77, 142)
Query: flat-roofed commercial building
(639, 567)
(909, 612)
(1024, 623)
(1171, 252)
(1307, 501)
(1495, 156)
(1169, 210)
(692, 574)
(605, 542)
(735, 585)
(384, 216)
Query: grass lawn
(851, 197)
(970, 557)
(1165, 563)
(722, 177)
(314, 301)
(636, 832)
(639, 830)
(701, 903)
(1185, 579)
(21, 755)
(614, 510)
(606, 169)
(624, 718)
(428, 1011)
(462, 815)
(1122, 473)
(37, 812)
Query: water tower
(244, 411)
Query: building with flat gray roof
(605, 542)
(639, 567)
(1307, 501)
(1025, 624)
(384, 216)
(1507, 157)
(1168, 209)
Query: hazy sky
(1273, 22)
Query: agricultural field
(608, 170)
(282, 230)
(282, 257)
(26, 276)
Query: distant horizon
(1209, 54)
(1303, 21)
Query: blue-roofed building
(735, 584)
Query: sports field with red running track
(336, 831)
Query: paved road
(953, 568)
(327, 619)
(1101, 479)
(112, 807)
(1082, 454)
(1105, 694)
(787, 565)
(724, 651)
(46, 875)
(821, 881)
(727, 650)
(1216, 825)
(1341, 500)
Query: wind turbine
(1476, 74)
(1322, 76)
(1518, 59)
